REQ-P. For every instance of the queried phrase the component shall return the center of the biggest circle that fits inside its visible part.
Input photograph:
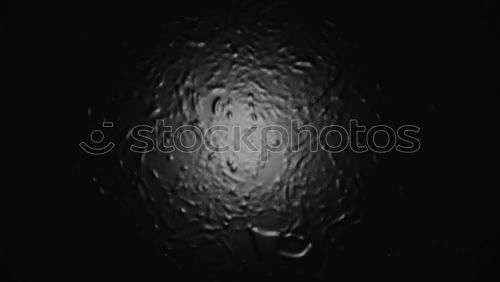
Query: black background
(434, 218)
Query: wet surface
(154, 217)
(243, 210)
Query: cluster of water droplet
(237, 211)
